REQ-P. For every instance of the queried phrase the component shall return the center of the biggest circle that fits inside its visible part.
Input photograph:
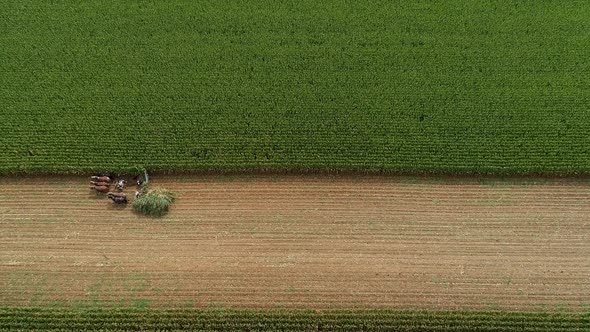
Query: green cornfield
(26, 319)
(455, 86)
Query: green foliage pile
(12, 319)
(154, 202)
(452, 86)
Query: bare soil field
(301, 242)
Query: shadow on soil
(116, 207)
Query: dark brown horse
(112, 194)
(119, 199)
(102, 189)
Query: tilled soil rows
(300, 242)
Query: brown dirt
(289, 241)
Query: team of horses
(102, 184)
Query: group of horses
(102, 183)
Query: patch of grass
(136, 282)
(188, 304)
(140, 304)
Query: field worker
(121, 184)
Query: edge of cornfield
(21, 319)
(510, 173)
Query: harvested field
(301, 242)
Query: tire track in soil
(301, 241)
